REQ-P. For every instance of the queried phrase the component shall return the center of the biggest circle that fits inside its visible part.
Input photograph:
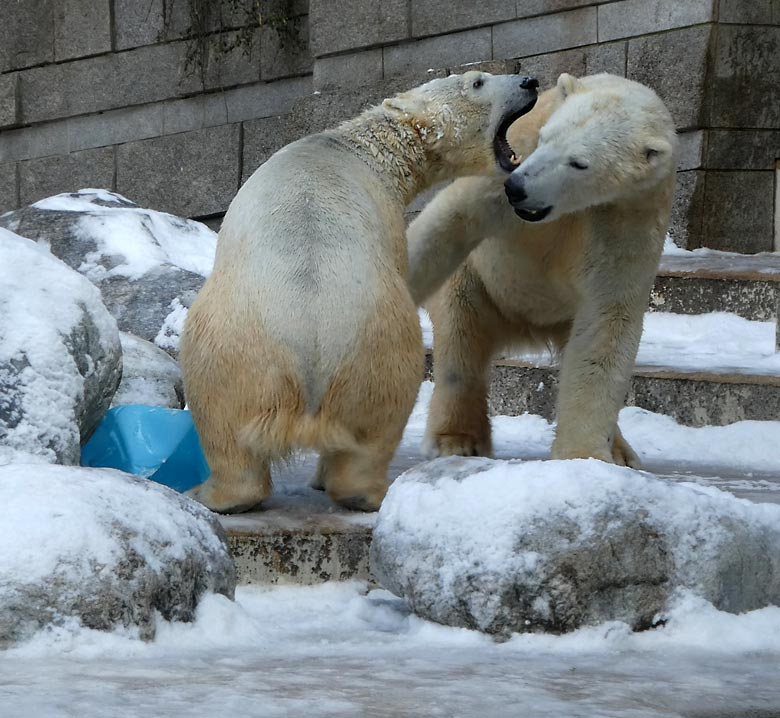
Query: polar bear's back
(298, 247)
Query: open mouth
(505, 155)
(533, 215)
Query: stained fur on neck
(405, 160)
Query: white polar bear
(594, 197)
(305, 334)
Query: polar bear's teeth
(515, 159)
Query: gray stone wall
(98, 91)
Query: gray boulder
(102, 548)
(510, 546)
(60, 356)
(150, 375)
(148, 265)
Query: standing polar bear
(305, 334)
(575, 272)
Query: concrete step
(697, 398)
(300, 537)
(709, 281)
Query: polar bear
(305, 334)
(593, 196)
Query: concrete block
(752, 12)
(46, 176)
(190, 174)
(435, 52)
(81, 28)
(752, 299)
(691, 399)
(138, 23)
(628, 18)
(265, 99)
(26, 33)
(432, 17)
(674, 64)
(581, 61)
(687, 220)
(528, 8)
(9, 191)
(607, 57)
(194, 113)
(50, 138)
(231, 59)
(302, 555)
(262, 138)
(776, 12)
(691, 150)
(745, 86)
(115, 126)
(339, 25)
(135, 77)
(9, 99)
(739, 214)
(348, 71)
(547, 33)
(742, 149)
(285, 52)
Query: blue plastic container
(150, 441)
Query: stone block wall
(99, 92)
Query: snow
(716, 342)
(338, 650)
(144, 238)
(173, 325)
(43, 301)
(60, 520)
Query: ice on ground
(339, 650)
(143, 237)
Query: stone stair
(301, 537)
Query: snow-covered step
(708, 369)
(301, 537)
(705, 280)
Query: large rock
(148, 265)
(509, 546)
(150, 376)
(60, 356)
(102, 547)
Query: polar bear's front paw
(456, 445)
(623, 454)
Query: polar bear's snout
(517, 195)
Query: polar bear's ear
(404, 105)
(656, 151)
(567, 85)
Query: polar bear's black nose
(529, 83)
(515, 188)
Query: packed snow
(144, 238)
(44, 303)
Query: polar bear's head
(462, 119)
(609, 139)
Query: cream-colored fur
(305, 334)
(579, 280)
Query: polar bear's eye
(477, 84)
(578, 164)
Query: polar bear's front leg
(467, 329)
(593, 383)
(598, 360)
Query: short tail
(276, 434)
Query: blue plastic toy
(150, 441)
